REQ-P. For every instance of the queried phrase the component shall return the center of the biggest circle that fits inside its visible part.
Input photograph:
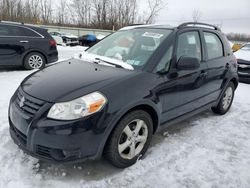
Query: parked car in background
(88, 40)
(243, 59)
(26, 45)
(236, 47)
(68, 39)
(116, 95)
(59, 40)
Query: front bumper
(244, 71)
(52, 140)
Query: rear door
(13, 43)
(217, 62)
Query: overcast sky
(232, 15)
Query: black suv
(112, 98)
(26, 45)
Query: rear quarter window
(29, 33)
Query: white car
(68, 39)
(243, 59)
(59, 40)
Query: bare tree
(196, 15)
(62, 12)
(105, 14)
(154, 7)
(82, 9)
(46, 11)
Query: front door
(12, 45)
(184, 90)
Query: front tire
(225, 101)
(130, 139)
(34, 60)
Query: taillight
(52, 42)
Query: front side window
(15, 31)
(132, 46)
(214, 45)
(189, 45)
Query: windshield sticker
(152, 35)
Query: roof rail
(199, 24)
(2, 21)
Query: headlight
(78, 108)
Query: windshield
(246, 47)
(133, 46)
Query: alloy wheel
(35, 61)
(227, 98)
(133, 139)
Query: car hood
(243, 54)
(71, 79)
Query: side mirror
(188, 63)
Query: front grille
(21, 137)
(73, 39)
(28, 104)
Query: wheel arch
(147, 107)
(235, 82)
(35, 50)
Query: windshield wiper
(99, 61)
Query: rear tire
(225, 101)
(34, 60)
(130, 139)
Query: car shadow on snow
(100, 169)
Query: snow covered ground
(204, 151)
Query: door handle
(23, 41)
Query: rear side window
(214, 45)
(189, 45)
(29, 32)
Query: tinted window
(9, 30)
(29, 33)
(214, 45)
(189, 45)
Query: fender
(225, 83)
(117, 117)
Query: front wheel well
(151, 111)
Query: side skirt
(186, 116)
